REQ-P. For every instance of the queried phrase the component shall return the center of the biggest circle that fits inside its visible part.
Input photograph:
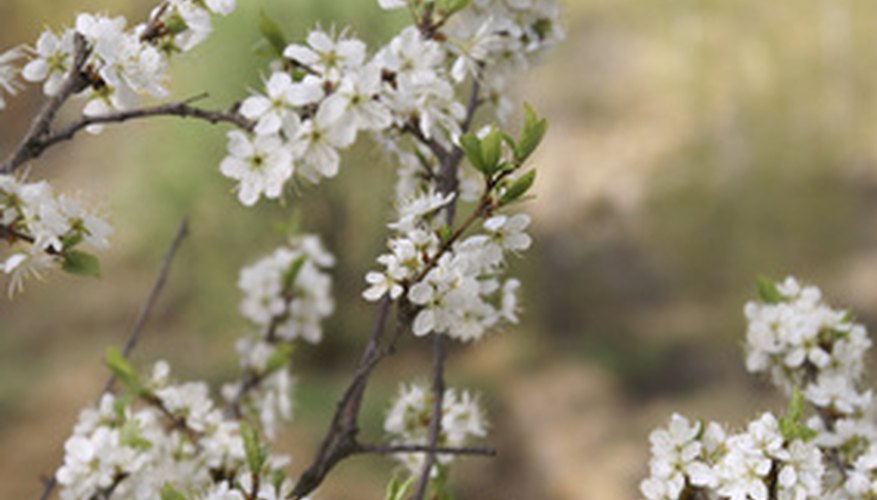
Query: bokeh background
(694, 145)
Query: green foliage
(256, 453)
(471, 145)
(292, 273)
(518, 188)
(175, 24)
(791, 424)
(768, 291)
(491, 151)
(130, 436)
(169, 493)
(441, 490)
(123, 370)
(531, 134)
(280, 357)
(81, 264)
(273, 34)
(398, 487)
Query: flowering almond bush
(419, 98)
(825, 446)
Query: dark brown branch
(181, 109)
(340, 440)
(40, 127)
(134, 335)
(387, 449)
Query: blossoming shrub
(416, 97)
(823, 447)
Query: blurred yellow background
(693, 146)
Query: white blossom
(52, 62)
(262, 165)
(8, 73)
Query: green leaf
(255, 454)
(71, 239)
(130, 436)
(175, 24)
(531, 135)
(292, 273)
(81, 264)
(791, 426)
(123, 370)
(518, 188)
(768, 291)
(169, 493)
(273, 34)
(491, 149)
(121, 403)
(278, 476)
(280, 357)
(471, 146)
(398, 487)
(444, 233)
(440, 484)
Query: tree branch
(160, 280)
(387, 449)
(447, 183)
(340, 440)
(29, 147)
(435, 423)
(183, 109)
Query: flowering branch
(136, 331)
(340, 439)
(31, 145)
(315, 103)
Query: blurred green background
(694, 145)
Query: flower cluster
(496, 40)
(407, 422)
(327, 90)
(171, 436)
(759, 463)
(814, 353)
(161, 439)
(287, 295)
(45, 231)
(802, 342)
(458, 289)
(122, 63)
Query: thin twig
(182, 109)
(387, 449)
(151, 300)
(134, 335)
(340, 439)
(435, 423)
